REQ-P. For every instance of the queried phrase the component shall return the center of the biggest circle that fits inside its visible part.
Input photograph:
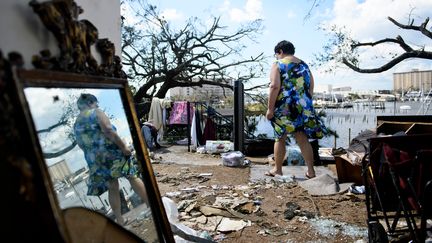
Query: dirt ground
(272, 227)
(265, 208)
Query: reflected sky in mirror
(54, 112)
(51, 107)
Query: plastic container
(233, 159)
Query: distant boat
(346, 104)
(361, 100)
(405, 107)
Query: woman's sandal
(308, 176)
(270, 173)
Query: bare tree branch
(343, 49)
(257, 87)
(61, 152)
(422, 28)
(159, 57)
(398, 40)
(49, 129)
(392, 63)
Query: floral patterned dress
(104, 158)
(294, 110)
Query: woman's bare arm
(109, 132)
(275, 85)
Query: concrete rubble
(219, 209)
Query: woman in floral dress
(105, 153)
(290, 107)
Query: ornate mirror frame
(51, 79)
(30, 194)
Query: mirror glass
(84, 156)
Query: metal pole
(335, 141)
(76, 191)
(188, 125)
(238, 116)
(349, 136)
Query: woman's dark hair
(286, 47)
(85, 100)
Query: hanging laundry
(196, 132)
(199, 132)
(193, 135)
(209, 130)
(155, 113)
(179, 113)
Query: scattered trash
(257, 202)
(293, 156)
(290, 212)
(218, 146)
(275, 232)
(303, 219)
(201, 150)
(228, 225)
(338, 151)
(182, 233)
(190, 189)
(205, 174)
(218, 209)
(233, 159)
(211, 211)
(328, 227)
(184, 204)
(219, 237)
(357, 189)
(284, 178)
(248, 207)
(173, 194)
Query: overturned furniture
(398, 179)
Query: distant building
(413, 80)
(59, 170)
(342, 89)
(323, 88)
(204, 93)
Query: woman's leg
(307, 152)
(114, 200)
(279, 155)
(138, 186)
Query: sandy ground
(263, 207)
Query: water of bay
(349, 122)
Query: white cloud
(225, 6)
(251, 11)
(291, 14)
(367, 21)
(172, 14)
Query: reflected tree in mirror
(75, 171)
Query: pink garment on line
(179, 113)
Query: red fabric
(209, 130)
(403, 163)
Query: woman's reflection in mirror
(107, 155)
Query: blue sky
(47, 113)
(366, 20)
